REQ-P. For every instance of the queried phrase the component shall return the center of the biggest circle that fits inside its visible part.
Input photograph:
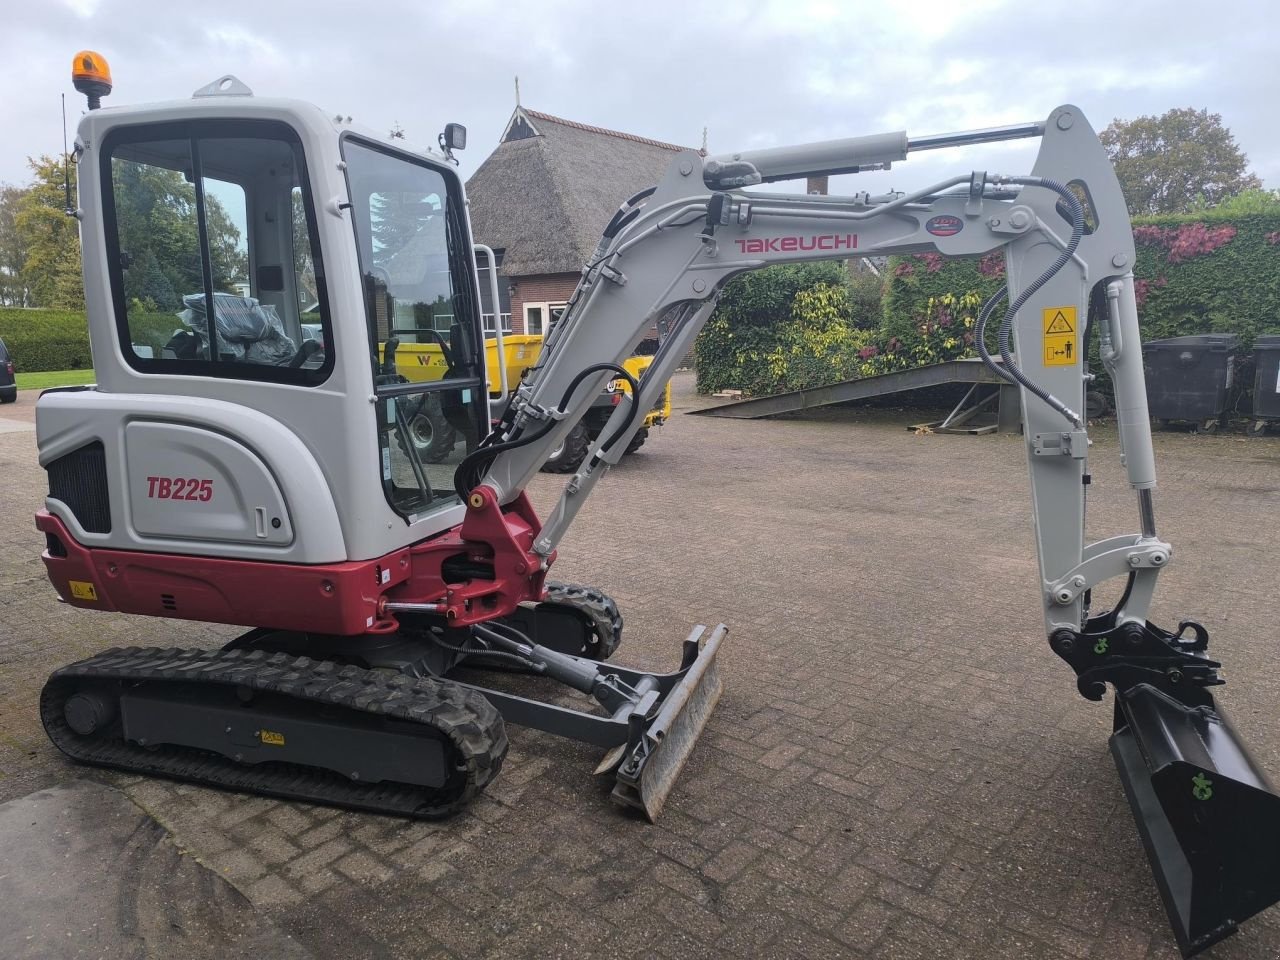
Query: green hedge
(1207, 273)
(45, 339)
(153, 329)
(788, 327)
(41, 340)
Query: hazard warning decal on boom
(1060, 343)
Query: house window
(539, 318)
(487, 319)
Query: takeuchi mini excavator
(246, 473)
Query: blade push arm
(668, 255)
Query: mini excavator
(244, 458)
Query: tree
(1171, 163)
(1246, 204)
(50, 239)
(157, 225)
(13, 291)
(398, 218)
(151, 285)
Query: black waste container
(1189, 378)
(1266, 379)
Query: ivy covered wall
(793, 327)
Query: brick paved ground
(899, 767)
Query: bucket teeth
(649, 767)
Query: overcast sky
(754, 73)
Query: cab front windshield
(423, 322)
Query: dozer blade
(650, 766)
(1208, 818)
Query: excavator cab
(235, 274)
(254, 269)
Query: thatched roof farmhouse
(542, 198)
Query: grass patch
(54, 378)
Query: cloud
(755, 74)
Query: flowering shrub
(794, 327)
(783, 328)
(992, 265)
(1185, 241)
(1212, 272)
(943, 330)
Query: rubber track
(473, 730)
(598, 607)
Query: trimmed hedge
(1208, 275)
(40, 339)
(788, 327)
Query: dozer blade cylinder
(650, 768)
(1208, 818)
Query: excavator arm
(1203, 808)
(670, 254)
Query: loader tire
(568, 456)
(638, 440)
(430, 431)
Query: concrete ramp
(970, 371)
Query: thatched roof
(546, 193)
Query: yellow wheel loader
(419, 358)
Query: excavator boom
(1201, 805)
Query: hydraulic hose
(466, 476)
(1010, 370)
(467, 651)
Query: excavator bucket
(1208, 818)
(655, 756)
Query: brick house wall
(540, 288)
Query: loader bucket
(653, 761)
(1208, 818)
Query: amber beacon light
(91, 76)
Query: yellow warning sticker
(272, 738)
(83, 590)
(1061, 342)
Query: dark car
(8, 386)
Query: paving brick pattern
(899, 767)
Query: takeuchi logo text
(824, 241)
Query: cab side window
(214, 258)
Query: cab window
(418, 276)
(212, 248)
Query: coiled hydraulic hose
(1010, 371)
(469, 472)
